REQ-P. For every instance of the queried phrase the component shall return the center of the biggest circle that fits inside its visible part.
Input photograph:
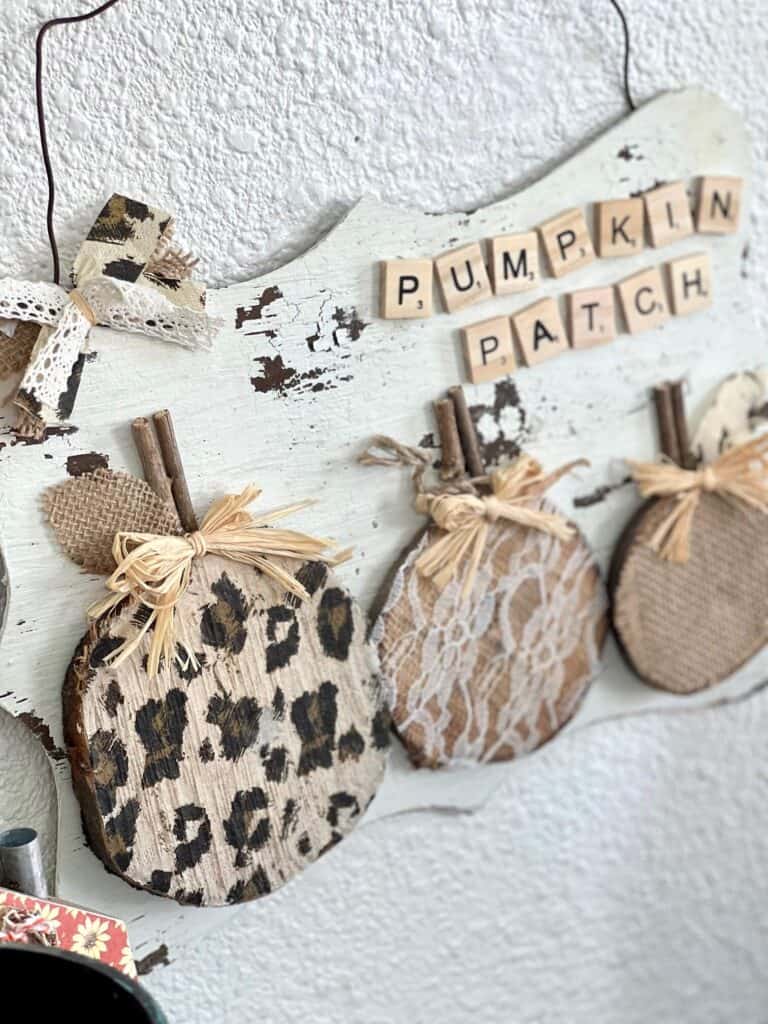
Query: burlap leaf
(88, 511)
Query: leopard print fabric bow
(128, 276)
(741, 474)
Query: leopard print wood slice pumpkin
(218, 784)
(686, 626)
(496, 675)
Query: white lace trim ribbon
(118, 304)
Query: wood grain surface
(219, 780)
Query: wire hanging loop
(627, 48)
(41, 120)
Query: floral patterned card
(80, 931)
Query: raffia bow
(466, 516)
(156, 569)
(739, 474)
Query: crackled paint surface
(657, 856)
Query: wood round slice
(496, 675)
(217, 784)
(685, 627)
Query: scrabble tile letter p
(463, 277)
(567, 242)
(488, 349)
(406, 289)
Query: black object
(48, 982)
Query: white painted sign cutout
(305, 371)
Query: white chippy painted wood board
(346, 374)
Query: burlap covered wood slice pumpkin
(689, 577)
(490, 629)
(217, 752)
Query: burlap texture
(685, 627)
(87, 512)
(15, 352)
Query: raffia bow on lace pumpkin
(490, 626)
(467, 518)
(127, 276)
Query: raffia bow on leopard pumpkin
(155, 569)
(128, 276)
(223, 714)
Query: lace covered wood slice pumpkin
(496, 674)
(217, 784)
(685, 626)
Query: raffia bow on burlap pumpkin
(156, 569)
(740, 475)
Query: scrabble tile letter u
(463, 277)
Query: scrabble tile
(669, 213)
(643, 301)
(463, 277)
(567, 242)
(690, 280)
(620, 227)
(719, 206)
(515, 263)
(591, 317)
(540, 332)
(406, 289)
(488, 349)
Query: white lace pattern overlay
(496, 675)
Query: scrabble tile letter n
(643, 301)
(540, 331)
(488, 349)
(406, 289)
(463, 277)
(719, 206)
(567, 242)
(669, 214)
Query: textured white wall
(619, 875)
